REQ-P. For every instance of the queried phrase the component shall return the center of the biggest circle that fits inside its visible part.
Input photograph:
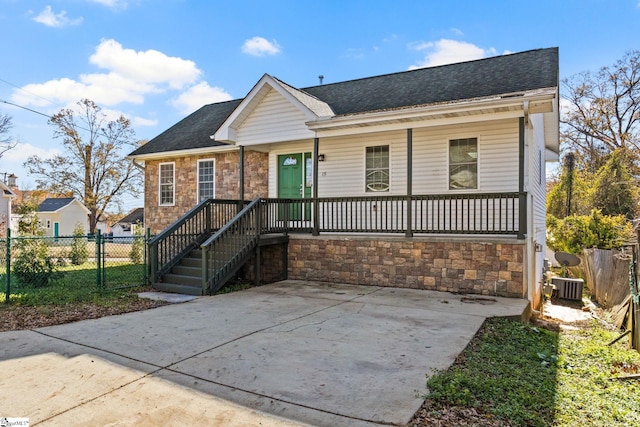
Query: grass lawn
(515, 374)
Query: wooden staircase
(195, 258)
(185, 277)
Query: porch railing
(187, 233)
(225, 236)
(470, 213)
(229, 247)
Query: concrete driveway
(289, 353)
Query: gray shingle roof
(52, 204)
(135, 216)
(193, 131)
(506, 74)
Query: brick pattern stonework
(459, 265)
(186, 168)
(273, 264)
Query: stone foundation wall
(461, 265)
(273, 265)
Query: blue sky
(155, 61)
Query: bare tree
(602, 112)
(93, 165)
(5, 138)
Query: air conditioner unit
(568, 288)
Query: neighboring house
(432, 178)
(7, 195)
(60, 216)
(128, 225)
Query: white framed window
(167, 184)
(206, 179)
(377, 169)
(463, 164)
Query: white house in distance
(60, 216)
(6, 197)
(127, 226)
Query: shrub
(33, 266)
(78, 254)
(136, 252)
(576, 232)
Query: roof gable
(311, 108)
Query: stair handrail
(185, 234)
(241, 234)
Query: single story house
(59, 216)
(432, 178)
(127, 226)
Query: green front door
(294, 182)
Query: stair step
(178, 288)
(183, 279)
(186, 270)
(191, 262)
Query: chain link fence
(70, 265)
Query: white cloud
(129, 77)
(112, 4)
(140, 121)
(197, 96)
(55, 20)
(445, 51)
(24, 150)
(149, 66)
(259, 46)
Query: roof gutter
(184, 153)
(535, 104)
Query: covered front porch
(465, 243)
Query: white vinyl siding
(274, 119)
(206, 179)
(343, 171)
(166, 180)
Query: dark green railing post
(315, 230)
(145, 257)
(98, 261)
(8, 267)
(409, 230)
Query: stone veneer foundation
(471, 265)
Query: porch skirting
(474, 265)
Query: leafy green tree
(615, 192)
(93, 166)
(571, 193)
(79, 254)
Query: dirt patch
(16, 317)
(438, 415)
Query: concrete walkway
(289, 353)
